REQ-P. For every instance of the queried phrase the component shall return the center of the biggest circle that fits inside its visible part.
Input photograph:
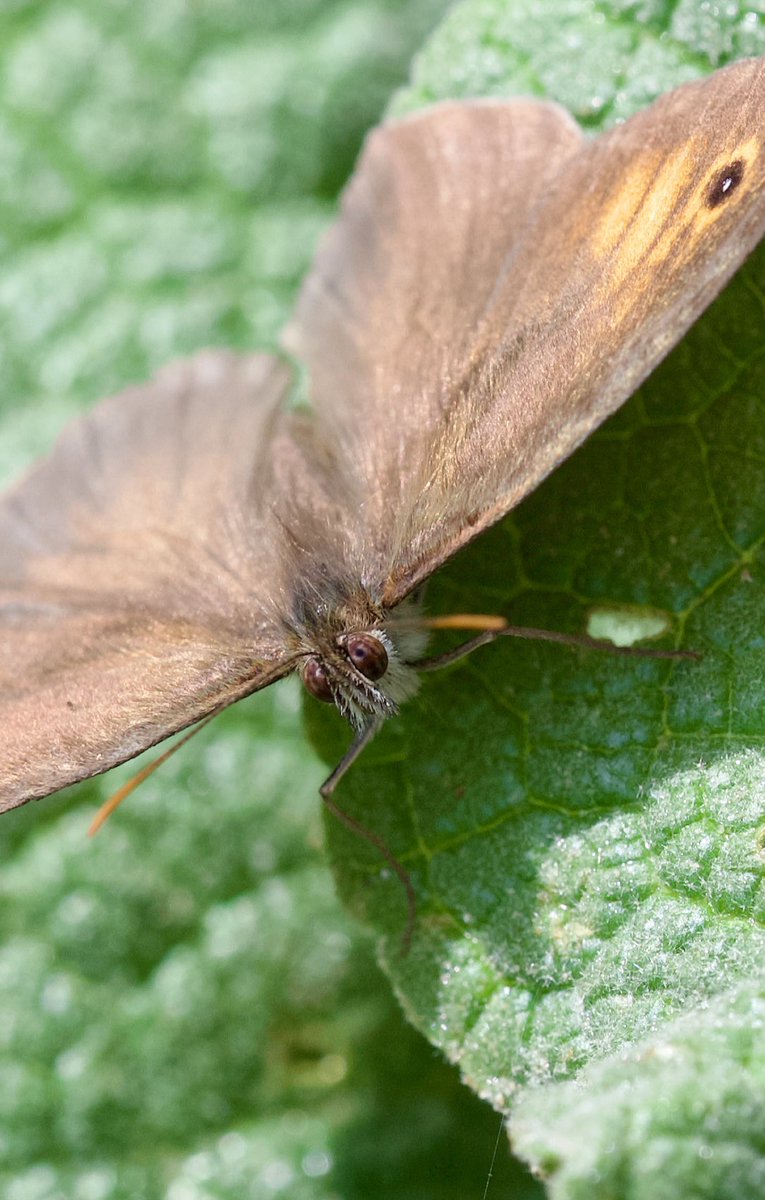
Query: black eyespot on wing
(724, 183)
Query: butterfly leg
(327, 788)
(547, 635)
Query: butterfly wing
(386, 318)
(139, 580)
(496, 287)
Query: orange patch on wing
(653, 216)
(646, 194)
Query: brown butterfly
(495, 286)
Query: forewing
(140, 575)
(581, 265)
(387, 317)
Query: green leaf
(679, 1114)
(584, 832)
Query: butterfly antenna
(326, 790)
(106, 809)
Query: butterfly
(495, 286)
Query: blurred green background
(186, 1012)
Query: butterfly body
(495, 287)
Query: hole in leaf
(624, 626)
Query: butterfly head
(357, 654)
(362, 673)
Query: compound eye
(367, 654)
(316, 679)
